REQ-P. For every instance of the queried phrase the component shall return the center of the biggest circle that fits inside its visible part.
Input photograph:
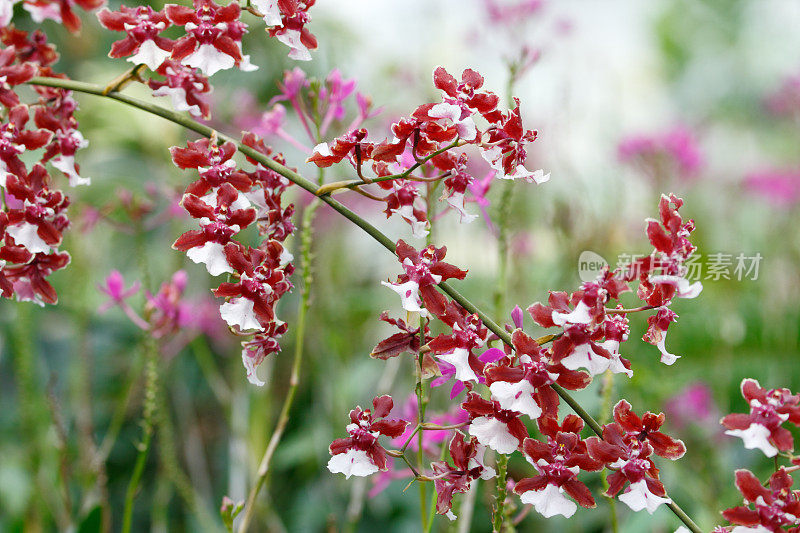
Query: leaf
(92, 522)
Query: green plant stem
(502, 248)
(294, 378)
(502, 470)
(167, 454)
(214, 378)
(28, 395)
(607, 395)
(151, 384)
(309, 186)
(423, 498)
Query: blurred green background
(724, 72)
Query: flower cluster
(287, 20)
(60, 11)
(523, 379)
(557, 460)
(426, 141)
(672, 152)
(627, 446)
(772, 506)
(763, 427)
(212, 42)
(779, 186)
(225, 200)
(785, 100)
(360, 454)
(34, 213)
(213, 39)
(585, 319)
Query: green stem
(294, 378)
(151, 385)
(607, 397)
(309, 186)
(498, 512)
(423, 498)
(502, 248)
(497, 515)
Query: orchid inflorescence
(508, 378)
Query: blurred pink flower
(166, 310)
(781, 187)
(114, 287)
(785, 101)
(661, 154)
(479, 189)
(511, 13)
(693, 405)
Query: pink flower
(467, 456)
(785, 101)
(774, 507)
(214, 36)
(423, 270)
(187, 88)
(360, 454)
(114, 287)
(557, 461)
(167, 311)
(762, 427)
(511, 13)
(693, 405)
(780, 187)
(143, 26)
(677, 148)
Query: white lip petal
(755, 436)
(269, 8)
(26, 234)
(209, 60)
(579, 315)
(150, 54)
(666, 357)
(66, 164)
(409, 296)
(211, 254)
(178, 97)
(683, 289)
(352, 463)
(239, 312)
(459, 358)
(583, 356)
(494, 434)
(251, 365)
(516, 397)
(549, 501)
(639, 497)
(291, 38)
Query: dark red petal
(666, 446)
(390, 427)
(741, 516)
(382, 405)
(580, 493)
(750, 486)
